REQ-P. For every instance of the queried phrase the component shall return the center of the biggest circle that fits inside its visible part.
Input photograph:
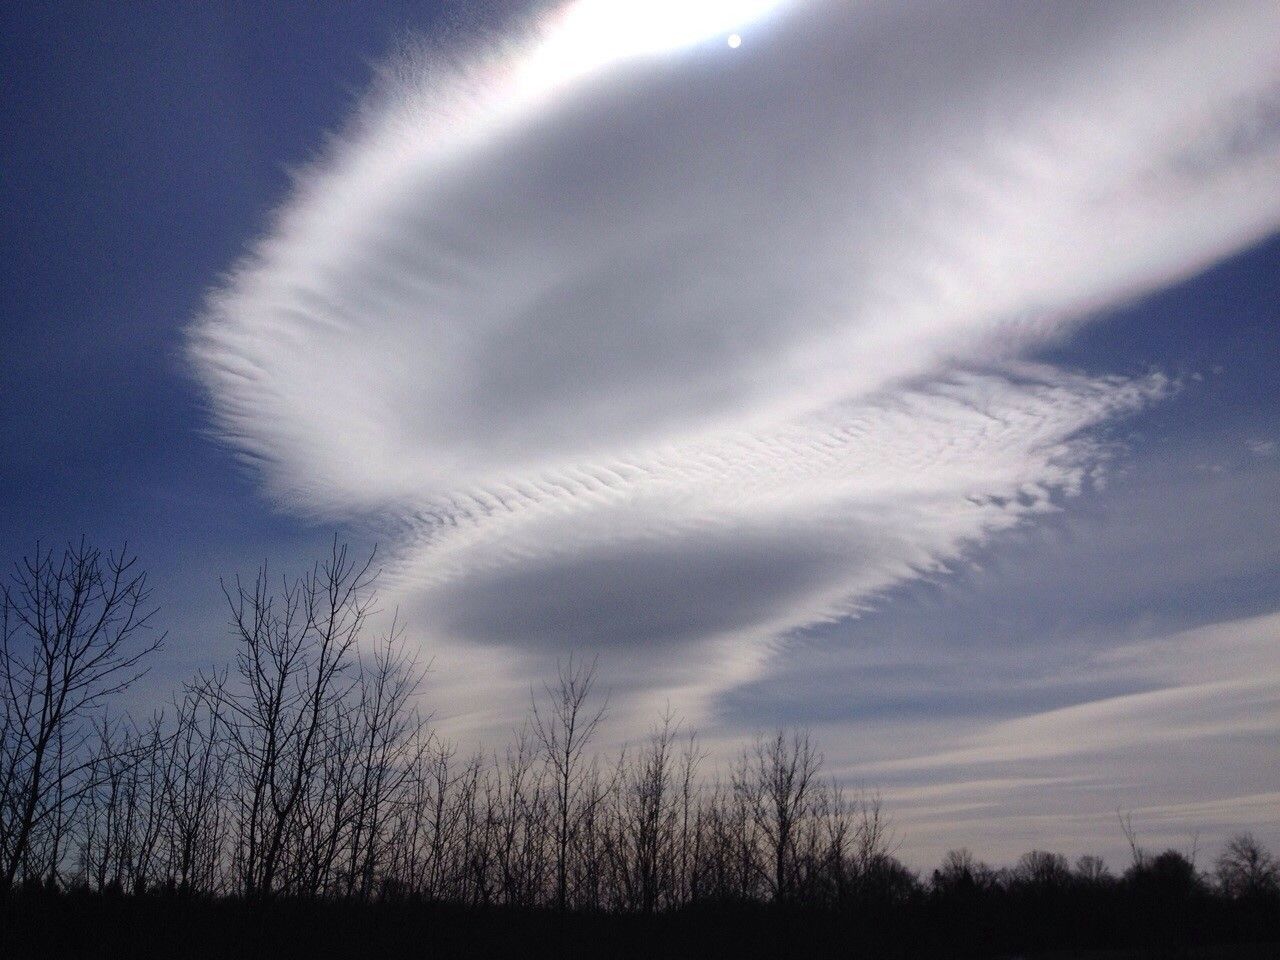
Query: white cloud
(636, 339)
(1187, 749)
(1202, 711)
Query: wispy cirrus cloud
(637, 339)
(1059, 774)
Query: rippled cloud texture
(642, 343)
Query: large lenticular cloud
(641, 339)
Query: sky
(902, 371)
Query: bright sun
(735, 41)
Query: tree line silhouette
(304, 772)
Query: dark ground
(36, 924)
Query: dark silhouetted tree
(563, 726)
(73, 632)
(1247, 870)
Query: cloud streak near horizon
(639, 341)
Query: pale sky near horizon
(903, 371)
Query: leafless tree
(1138, 855)
(960, 871)
(194, 793)
(307, 770)
(293, 665)
(1042, 868)
(644, 841)
(391, 745)
(563, 726)
(777, 778)
(518, 803)
(1247, 869)
(1092, 869)
(73, 632)
(124, 813)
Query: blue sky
(908, 375)
(139, 156)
